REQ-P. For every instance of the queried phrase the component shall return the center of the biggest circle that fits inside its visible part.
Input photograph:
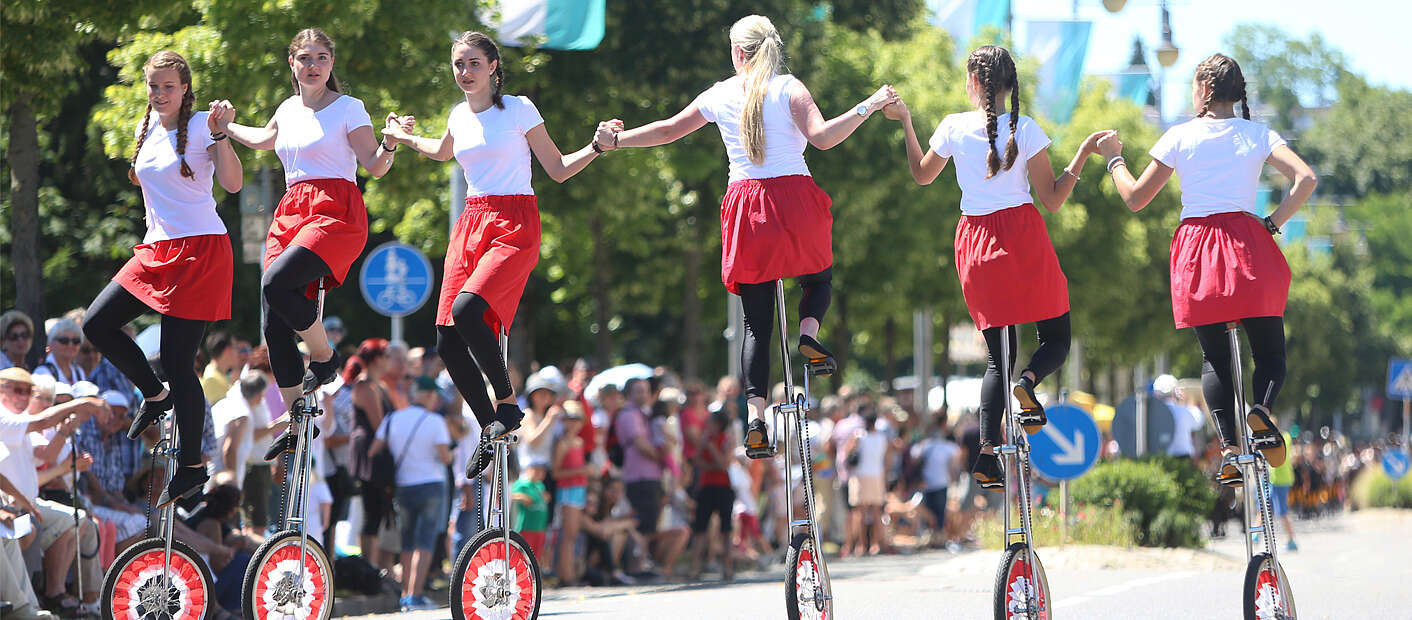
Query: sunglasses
(63, 340)
(18, 336)
(19, 388)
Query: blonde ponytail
(764, 57)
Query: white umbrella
(616, 376)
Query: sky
(1372, 34)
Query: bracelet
(1112, 163)
(594, 145)
(1271, 227)
(615, 139)
(217, 137)
(1071, 173)
(383, 144)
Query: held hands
(1090, 145)
(884, 97)
(398, 129)
(220, 115)
(606, 137)
(897, 111)
(1109, 146)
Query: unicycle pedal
(757, 441)
(821, 367)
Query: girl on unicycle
(1007, 265)
(183, 269)
(775, 221)
(1225, 265)
(495, 243)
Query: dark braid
(1224, 82)
(995, 72)
(141, 137)
(183, 119)
(492, 54)
(1012, 150)
(1244, 107)
(992, 160)
(499, 83)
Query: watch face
(862, 109)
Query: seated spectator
(607, 532)
(64, 340)
(15, 587)
(17, 330)
(214, 520)
(225, 362)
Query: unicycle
(808, 593)
(496, 577)
(1267, 594)
(159, 578)
(1021, 587)
(289, 577)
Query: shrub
(1166, 499)
(1088, 525)
(1374, 489)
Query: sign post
(396, 280)
(1399, 385)
(1066, 448)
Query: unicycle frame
(1014, 452)
(166, 450)
(796, 410)
(1252, 463)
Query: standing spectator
(465, 518)
(939, 460)
(18, 331)
(531, 507)
(693, 420)
(642, 466)
(843, 431)
(866, 485)
(421, 449)
(258, 485)
(64, 339)
(539, 426)
(714, 495)
(336, 440)
(333, 327)
(1281, 479)
(395, 377)
(1185, 418)
(364, 372)
(571, 471)
(233, 418)
(225, 360)
(728, 399)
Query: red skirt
(1009, 272)
(326, 217)
(774, 228)
(1226, 267)
(187, 278)
(493, 249)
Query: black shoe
(285, 442)
(810, 348)
(757, 440)
(1266, 437)
(509, 416)
(147, 414)
(320, 373)
(187, 481)
(1031, 414)
(1230, 475)
(988, 472)
(507, 420)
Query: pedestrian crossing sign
(1399, 379)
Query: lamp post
(1167, 54)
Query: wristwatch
(1271, 227)
(862, 110)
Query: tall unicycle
(496, 576)
(1021, 587)
(808, 594)
(159, 578)
(1267, 594)
(289, 577)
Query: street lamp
(1114, 6)
(1167, 54)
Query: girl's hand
(606, 137)
(897, 111)
(408, 122)
(220, 115)
(884, 97)
(393, 129)
(1090, 144)
(1109, 146)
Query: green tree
(1363, 143)
(1293, 76)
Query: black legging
(103, 326)
(286, 309)
(758, 302)
(1266, 335)
(1049, 356)
(470, 348)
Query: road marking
(1121, 587)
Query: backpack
(611, 445)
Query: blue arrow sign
(1395, 463)
(1399, 379)
(396, 279)
(1068, 445)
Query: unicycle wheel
(273, 590)
(1267, 593)
(1021, 587)
(804, 586)
(132, 587)
(490, 584)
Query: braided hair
(167, 59)
(995, 72)
(313, 35)
(1224, 82)
(764, 57)
(487, 46)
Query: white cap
(62, 389)
(84, 389)
(1164, 384)
(115, 398)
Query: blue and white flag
(1059, 47)
(965, 18)
(562, 24)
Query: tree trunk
(890, 354)
(691, 299)
(23, 156)
(943, 365)
(603, 340)
(845, 339)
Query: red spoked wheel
(1021, 587)
(1267, 592)
(488, 585)
(273, 589)
(803, 588)
(133, 587)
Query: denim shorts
(576, 497)
(421, 513)
(1279, 501)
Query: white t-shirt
(466, 448)
(491, 147)
(177, 206)
(1185, 421)
(416, 455)
(71, 375)
(18, 464)
(226, 410)
(872, 452)
(314, 145)
(723, 104)
(962, 137)
(936, 456)
(42, 439)
(1218, 162)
